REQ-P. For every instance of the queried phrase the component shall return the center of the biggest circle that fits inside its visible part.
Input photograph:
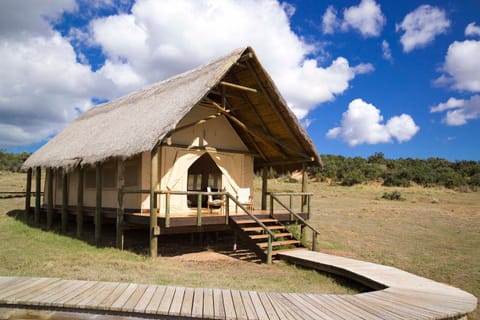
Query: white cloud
(472, 30)
(462, 66)
(421, 26)
(366, 18)
(362, 123)
(386, 51)
(330, 21)
(172, 36)
(460, 111)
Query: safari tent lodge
(179, 156)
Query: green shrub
(394, 195)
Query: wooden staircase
(257, 238)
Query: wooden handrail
(298, 217)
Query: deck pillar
(120, 207)
(153, 210)
(304, 186)
(64, 201)
(38, 185)
(49, 174)
(264, 187)
(80, 202)
(28, 193)
(98, 203)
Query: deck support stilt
(64, 201)
(120, 208)
(153, 206)
(28, 193)
(38, 185)
(80, 202)
(98, 203)
(304, 186)
(49, 198)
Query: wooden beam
(98, 203)
(153, 207)
(64, 200)
(264, 187)
(28, 193)
(304, 186)
(237, 86)
(120, 206)
(49, 198)
(80, 202)
(38, 186)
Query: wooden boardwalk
(399, 295)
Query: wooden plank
(284, 310)
(306, 310)
(134, 298)
(197, 306)
(186, 309)
(64, 287)
(208, 304)
(28, 293)
(238, 305)
(21, 286)
(260, 311)
(166, 301)
(347, 309)
(145, 299)
(228, 305)
(247, 303)
(156, 299)
(70, 292)
(123, 298)
(218, 305)
(28, 192)
(107, 303)
(83, 302)
(107, 290)
(267, 306)
(85, 295)
(177, 302)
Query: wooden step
(265, 236)
(247, 221)
(247, 229)
(275, 252)
(278, 243)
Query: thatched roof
(141, 120)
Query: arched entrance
(203, 173)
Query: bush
(394, 195)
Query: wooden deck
(402, 295)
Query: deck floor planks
(283, 308)
(20, 286)
(372, 308)
(218, 305)
(35, 289)
(186, 308)
(80, 297)
(247, 303)
(177, 301)
(258, 305)
(155, 300)
(48, 288)
(229, 307)
(142, 304)
(166, 301)
(331, 309)
(68, 291)
(238, 304)
(267, 306)
(347, 309)
(107, 303)
(311, 311)
(197, 305)
(83, 304)
(99, 297)
(134, 298)
(117, 305)
(208, 304)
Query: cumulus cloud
(363, 123)
(462, 66)
(472, 30)
(459, 111)
(386, 51)
(366, 18)
(421, 26)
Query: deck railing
(305, 197)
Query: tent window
(109, 177)
(195, 182)
(90, 178)
(132, 174)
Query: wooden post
(38, 185)
(80, 202)
(314, 240)
(28, 193)
(49, 198)
(199, 210)
(98, 203)
(269, 249)
(264, 187)
(227, 209)
(120, 207)
(153, 210)
(64, 201)
(304, 186)
(167, 209)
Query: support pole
(269, 249)
(49, 198)
(304, 186)
(28, 193)
(38, 185)
(80, 202)
(154, 232)
(98, 203)
(120, 207)
(64, 201)
(264, 187)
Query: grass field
(433, 232)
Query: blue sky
(398, 77)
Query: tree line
(12, 161)
(398, 172)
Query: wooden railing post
(290, 205)
(28, 193)
(309, 205)
(98, 203)
(227, 209)
(271, 205)
(264, 187)
(167, 210)
(120, 207)
(314, 240)
(38, 186)
(80, 202)
(269, 250)
(199, 209)
(64, 200)
(154, 229)
(49, 198)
